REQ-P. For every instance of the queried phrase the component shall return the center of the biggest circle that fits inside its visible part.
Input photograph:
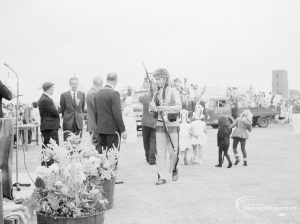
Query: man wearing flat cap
(50, 121)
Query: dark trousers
(47, 135)
(242, 141)
(149, 140)
(106, 141)
(74, 129)
(223, 149)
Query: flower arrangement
(72, 185)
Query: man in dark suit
(6, 94)
(72, 105)
(90, 103)
(50, 121)
(108, 114)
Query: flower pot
(108, 191)
(93, 219)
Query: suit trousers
(149, 140)
(106, 141)
(164, 148)
(74, 129)
(47, 135)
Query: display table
(26, 128)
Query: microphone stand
(17, 184)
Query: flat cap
(47, 85)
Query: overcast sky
(213, 42)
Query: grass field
(267, 191)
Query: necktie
(74, 95)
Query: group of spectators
(27, 114)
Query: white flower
(106, 165)
(41, 171)
(58, 183)
(67, 170)
(64, 189)
(95, 161)
(54, 168)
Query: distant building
(280, 82)
(294, 94)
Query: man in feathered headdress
(167, 104)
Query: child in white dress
(184, 137)
(198, 135)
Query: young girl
(198, 136)
(240, 134)
(184, 137)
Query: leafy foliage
(71, 186)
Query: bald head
(98, 82)
(112, 78)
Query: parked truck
(221, 106)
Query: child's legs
(200, 151)
(220, 155)
(226, 153)
(234, 146)
(195, 153)
(243, 147)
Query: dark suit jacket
(90, 107)
(49, 114)
(4, 93)
(108, 112)
(224, 136)
(70, 111)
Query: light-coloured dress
(197, 128)
(129, 118)
(184, 136)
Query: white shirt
(72, 94)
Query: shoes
(196, 163)
(237, 161)
(218, 165)
(175, 175)
(160, 182)
(245, 163)
(229, 165)
(152, 163)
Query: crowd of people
(173, 126)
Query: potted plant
(71, 189)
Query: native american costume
(168, 100)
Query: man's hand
(124, 135)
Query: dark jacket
(4, 93)
(148, 119)
(224, 131)
(72, 111)
(49, 114)
(90, 107)
(108, 113)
